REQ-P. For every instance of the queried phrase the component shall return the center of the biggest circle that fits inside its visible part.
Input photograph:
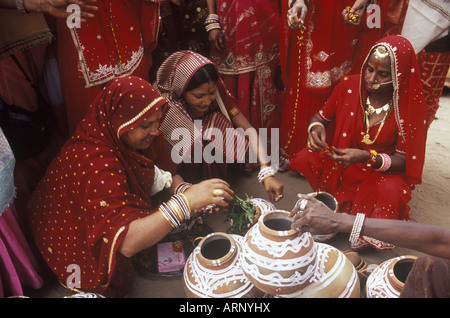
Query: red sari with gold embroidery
(250, 57)
(118, 41)
(312, 62)
(93, 190)
(358, 188)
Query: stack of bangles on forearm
(265, 173)
(212, 22)
(176, 210)
(385, 161)
(182, 187)
(357, 227)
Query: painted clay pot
(275, 258)
(334, 277)
(263, 205)
(330, 201)
(213, 269)
(388, 279)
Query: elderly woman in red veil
(317, 47)
(378, 150)
(113, 192)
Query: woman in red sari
(105, 197)
(377, 153)
(201, 123)
(117, 41)
(317, 47)
(244, 37)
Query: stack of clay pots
(271, 259)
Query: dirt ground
(428, 205)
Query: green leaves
(241, 214)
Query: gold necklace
(370, 109)
(366, 139)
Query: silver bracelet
(357, 227)
(264, 173)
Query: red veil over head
(172, 79)
(408, 100)
(123, 105)
(96, 187)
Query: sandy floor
(429, 205)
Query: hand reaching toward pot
(314, 217)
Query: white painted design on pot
(277, 260)
(388, 279)
(264, 205)
(218, 277)
(334, 277)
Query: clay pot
(388, 279)
(213, 269)
(360, 265)
(275, 258)
(334, 277)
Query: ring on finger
(303, 204)
(218, 192)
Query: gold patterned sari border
(138, 115)
(111, 255)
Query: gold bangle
(382, 164)
(176, 210)
(167, 218)
(265, 177)
(186, 201)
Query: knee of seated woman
(393, 184)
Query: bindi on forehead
(377, 64)
(211, 86)
(380, 64)
(206, 88)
